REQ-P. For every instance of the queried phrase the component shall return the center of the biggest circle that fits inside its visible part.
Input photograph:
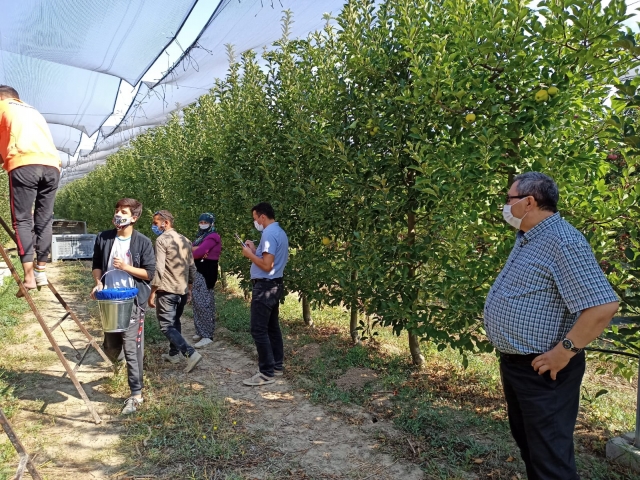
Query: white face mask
(204, 226)
(258, 226)
(121, 222)
(509, 218)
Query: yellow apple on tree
(542, 96)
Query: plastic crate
(72, 247)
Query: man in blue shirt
(267, 268)
(550, 301)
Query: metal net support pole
(636, 441)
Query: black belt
(267, 280)
(514, 358)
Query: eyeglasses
(509, 197)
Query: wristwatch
(568, 345)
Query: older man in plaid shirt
(549, 302)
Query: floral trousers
(204, 307)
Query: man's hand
(251, 245)
(248, 252)
(152, 300)
(552, 361)
(189, 297)
(119, 264)
(97, 288)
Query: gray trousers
(129, 346)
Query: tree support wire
(47, 330)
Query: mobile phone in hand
(239, 239)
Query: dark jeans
(542, 416)
(265, 328)
(129, 346)
(169, 308)
(28, 185)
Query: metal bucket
(115, 314)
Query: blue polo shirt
(275, 242)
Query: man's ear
(134, 219)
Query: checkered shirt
(550, 277)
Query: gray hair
(539, 186)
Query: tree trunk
(414, 347)
(223, 280)
(353, 324)
(306, 311)
(414, 341)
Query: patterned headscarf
(202, 234)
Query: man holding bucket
(123, 259)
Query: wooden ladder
(48, 330)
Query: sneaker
(258, 379)
(130, 405)
(203, 343)
(196, 338)
(192, 361)
(177, 358)
(41, 279)
(278, 373)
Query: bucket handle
(116, 270)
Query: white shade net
(246, 25)
(118, 37)
(67, 57)
(64, 95)
(66, 139)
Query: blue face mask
(155, 229)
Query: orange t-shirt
(25, 138)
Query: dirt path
(307, 437)
(307, 441)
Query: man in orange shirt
(29, 156)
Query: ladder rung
(57, 324)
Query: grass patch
(11, 308)
(183, 430)
(454, 417)
(189, 431)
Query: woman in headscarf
(206, 252)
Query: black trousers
(265, 327)
(129, 346)
(169, 308)
(542, 415)
(29, 185)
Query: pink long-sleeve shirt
(210, 244)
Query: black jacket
(142, 256)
